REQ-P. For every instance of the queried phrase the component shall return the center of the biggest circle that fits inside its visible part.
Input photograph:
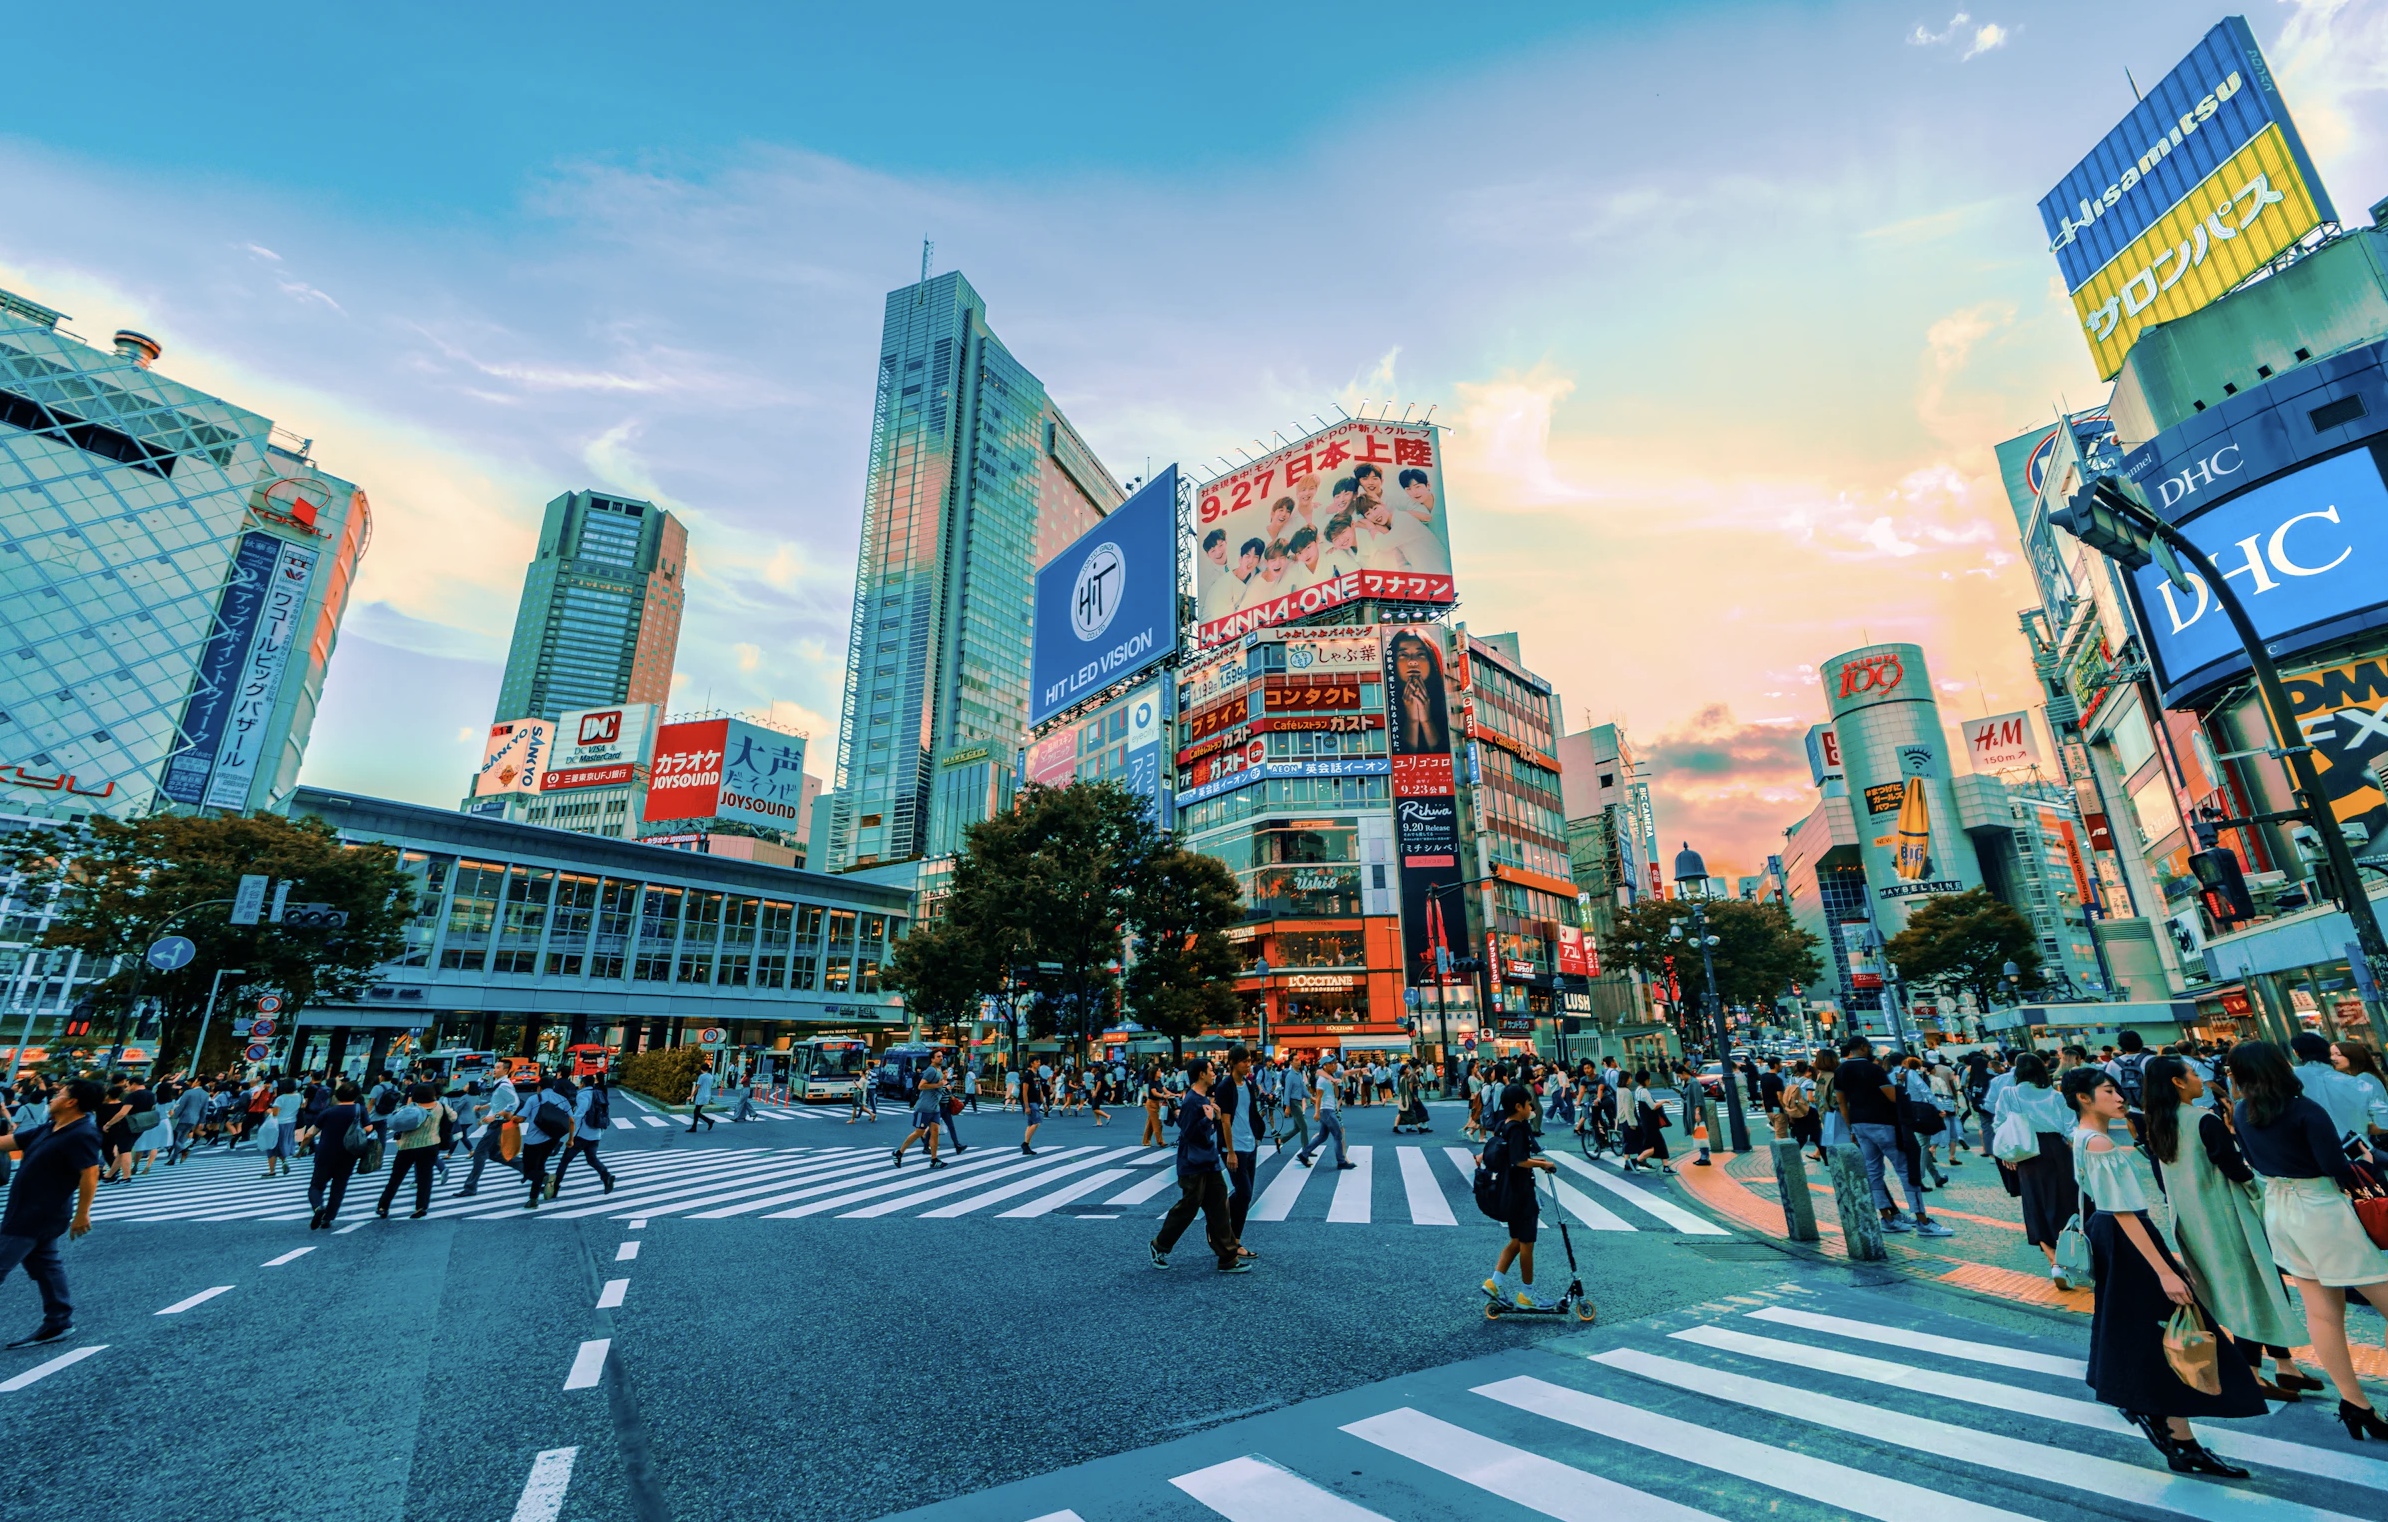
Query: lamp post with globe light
(1689, 867)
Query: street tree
(1964, 941)
(1182, 904)
(1759, 953)
(942, 968)
(123, 884)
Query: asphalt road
(812, 1367)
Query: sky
(1725, 305)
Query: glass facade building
(975, 479)
(173, 571)
(600, 616)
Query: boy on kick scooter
(1508, 1165)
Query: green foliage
(124, 881)
(1759, 950)
(1964, 940)
(1184, 975)
(668, 1075)
(942, 968)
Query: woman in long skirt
(1650, 1126)
(2043, 1183)
(2140, 1284)
(2218, 1224)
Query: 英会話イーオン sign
(2201, 185)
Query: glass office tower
(600, 617)
(173, 571)
(975, 479)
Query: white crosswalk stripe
(1726, 1412)
(1388, 1187)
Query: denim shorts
(1035, 1113)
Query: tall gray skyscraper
(975, 480)
(600, 616)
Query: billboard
(513, 757)
(1353, 511)
(1824, 755)
(2305, 550)
(2203, 183)
(1106, 607)
(226, 721)
(2004, 742)
(1894, 754)
(726, 768)
(1418, 705)
(2342, 712)
(599, 747)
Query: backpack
(447, 1127)
(550, 1118)
(1491, 1183)
(1795, 1101)
(601, 1110)
(2130, 1076)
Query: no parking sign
(255, 1051)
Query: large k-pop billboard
(1354, 511)
(2203, 183)
(1106, 607)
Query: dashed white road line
(42, 1371)
(290, 1256)
(625, 1252)
(611, 1296)
(352, 1226)
(543, 1493)
(205, 1295)
(637, 1222)
(588, 1365)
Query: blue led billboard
(1106, 607)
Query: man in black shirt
(1770, 1086)
(1869, 1104)
(1201, 1187)
(58, 1173)
(1239, 1116)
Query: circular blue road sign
(168, 952)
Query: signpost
(260, 1029)
(255, 1051)
(169, 952)
(713, 1038)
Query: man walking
(546, 1122)
(504, 1111)
(190, 1113)
(57, 1175)
(698, 1098)
(1870, 1106)
(928, 1106)
(1297, 1105)
(1325, 1105)
(1200, 1187)
(1238, 1101)
(592, 1112)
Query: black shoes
(2361, 1421)
(609, 1183)
(47, 1332)
(1345, 1167)
(2185, 1455)
(1160, 1259)
(417, 1215)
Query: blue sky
(1726, 305)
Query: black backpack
(601, 1110)
(1491, 1183)
(2130, 1076)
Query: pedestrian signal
(2223, 885)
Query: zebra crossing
(1790, 1404)
(1412, 1186)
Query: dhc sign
(2302, 551)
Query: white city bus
(827, 1067)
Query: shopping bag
(2013, 1141)
(2073, 1254)
(2190, 1347)
(2371, 1205)
(509, 1139)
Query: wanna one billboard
(1352, 512)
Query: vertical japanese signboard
(513, 757)
(1425, 811)
(228, 720)
(1354, 511)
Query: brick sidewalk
(1987, 1255)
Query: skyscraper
(600, 617)
(173, 570)
(975, 479)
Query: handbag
(353, 1140)
(2073, 1254)
(2190, 1347)
(2013, 1141)
(2371, 1205)
(269, 1134)
(953, 1104)
(371, 1160)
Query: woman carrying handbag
(2139, 1288)
(2036, 1163)
(2218, 1224)
(2317, 1238)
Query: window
(568, 928)
(528, 890)
(771, 961)
(430, 874)
(804, 970)
(617, 916)
(472, 914)
(658, 934)
(698, 936)
(840, 976)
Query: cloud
(1976, 40)
(749, 656)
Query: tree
(1182, 904)
(1964, 941)
(1759, 951)
(122, 882)
(942, 969)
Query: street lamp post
(214, 986)
(2107, 517)
(1689, 865)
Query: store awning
(1375, 1043)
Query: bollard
(1861, 1225)
(1791, 1178)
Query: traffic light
(78, 1020)
(2103, 516)
(2224, 885)
(314, 917)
